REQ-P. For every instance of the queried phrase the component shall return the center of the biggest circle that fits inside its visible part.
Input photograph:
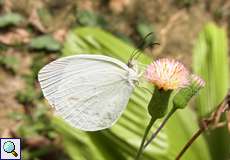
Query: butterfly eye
(130, 64)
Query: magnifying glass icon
(9, 147)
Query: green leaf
(26, 96)
(10, 19)
(185, 3)
(45, 16)
(1, 3)
(89, 18)
(10, 62)
(45, 42)
(211, 62)
(123, 139)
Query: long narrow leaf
(211, 62)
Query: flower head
(167, 74)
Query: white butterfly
(88, 91)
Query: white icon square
(10, 148)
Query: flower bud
(184, 95)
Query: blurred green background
(33, 33)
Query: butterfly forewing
(88, 91)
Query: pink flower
(197, 81)
(167, 74)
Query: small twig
(190, 142)
(228, 120)
(213, 122)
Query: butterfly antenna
(153, 44)
(136, 51)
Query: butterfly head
(131, 63)
(133, 75)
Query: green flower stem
(161, 126)
(157, 109)
(141, 148)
